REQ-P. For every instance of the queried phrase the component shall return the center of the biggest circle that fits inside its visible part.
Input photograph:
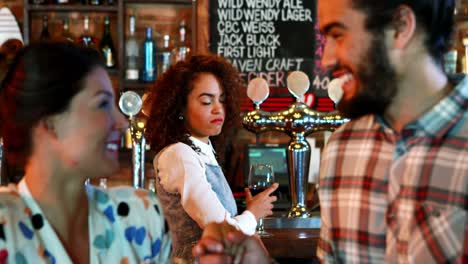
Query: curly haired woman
(193, 106)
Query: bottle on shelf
(106, 46)
(86, 39)
(450, 61)
(152, 185)
(148, 69)
(62, 2)
(103, 183)
(3, 178)
(465, 51)
(182, 50)
(461, 53)
(39, 2)
(66, 34)
(131, 53)
(94, 2)
(45, 35)
(164, 56)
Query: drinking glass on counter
(261, 176)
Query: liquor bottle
(39, 2)
(66, 34)
(182, 51)
(106, 46)
(86, 39)
(461, 56)
(45, 35)
(450, 61)
(103, 183)
(148, 69)
(465, 53)
(62, 2)
(94, 2)
(3, 178)
(152, 186)
(131, 53)
(164, 56)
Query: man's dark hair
(434, 17)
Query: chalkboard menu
(269, 39)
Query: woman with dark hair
(60, 123)
(193, 107)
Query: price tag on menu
(270, 39)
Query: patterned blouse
(125, 226)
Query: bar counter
(294, 240)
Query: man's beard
(378, 83)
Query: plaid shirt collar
(438, 121)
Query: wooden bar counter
(294, 240)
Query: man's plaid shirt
(388, 197)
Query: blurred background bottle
(182, 49)
(66, 34)
(164, 56)
(39, 2)
(62, 2)
(152, 185)
(106, 46)
(45, 35)
(94, 2)
(103, 183)
(131, 53)
(86, 39)
(3, 180)
(148, 69)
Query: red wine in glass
(261, 177)
(256, 190)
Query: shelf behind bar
(72, 8)
(140, 86)
(171, 2)
(113, 71)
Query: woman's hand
(261, 205)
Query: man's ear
(404, 26)
(47, 125)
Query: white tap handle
(298, 83)
(258, 90)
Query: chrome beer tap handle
(297, 122)
(130, 103)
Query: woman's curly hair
(167, 99)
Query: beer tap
(130, 103)
(297, 122)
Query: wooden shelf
(72, 8)
(139, 86)
(171, 2)
(120, 12)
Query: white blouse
(182, 170)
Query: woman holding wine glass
(193, 108)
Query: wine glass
(261, 176)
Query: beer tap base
(298, 211)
